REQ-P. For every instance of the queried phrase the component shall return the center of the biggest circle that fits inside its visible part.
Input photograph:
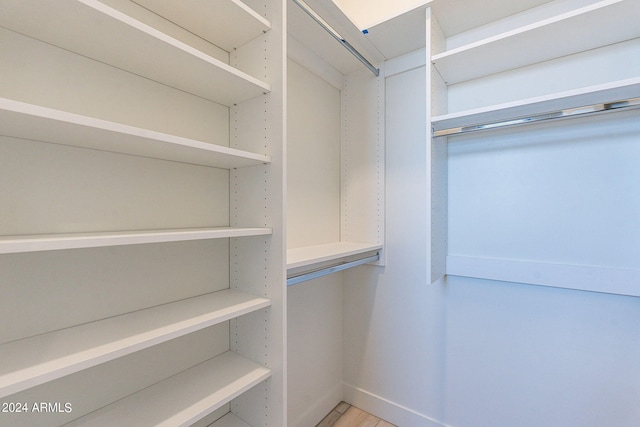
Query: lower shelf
(185, 398)
(33, 361)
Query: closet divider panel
(362, 159)
(257, 196)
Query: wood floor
(345, 415)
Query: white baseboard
(387, 410)
(320, 409)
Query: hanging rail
(336, 36)
(294, 280)
(554, 115)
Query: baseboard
(387, 410)
(320, 408)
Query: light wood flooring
(345, 415)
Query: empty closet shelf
(33, 361)
(49, 242)
(314, 261)
(98, 31)
(185, 398)
(34, 122)
(614, 96)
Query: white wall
(469, 352)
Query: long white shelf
(49, 242)
(604, 93)
(621, 281)
(230, 420)
(28, 121)
(95, 30)
(600, 24)
(228, 24)
(313, 255)
(33, 361)
(185, 398)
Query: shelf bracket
(294, 280)
(337, 36)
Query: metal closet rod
(554, 115)
(329, 270)
(336, 36)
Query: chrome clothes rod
(329, 270)
(554, 115)
(336, 36)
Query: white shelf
(230, 420)
(32, 361)
(313, 255)
(184, 398)
(49, 242)
(228, 24)
(604, 93)
(27, 121)
(95, 30)
(590, 27)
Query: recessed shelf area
(560, 35)
(95, 30)
(49, 242)
(185, 398)
(28, 121)
(32, 361)
(598, 94)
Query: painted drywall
(474, 353)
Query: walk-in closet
(295, 213)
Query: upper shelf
(32, 361)
(598, 94)
(50, 242)
(27, 121)
(600, 24)
(228, 24)
(97, 31)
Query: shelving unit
(341, 189)
(112, 92)
(552, 75)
